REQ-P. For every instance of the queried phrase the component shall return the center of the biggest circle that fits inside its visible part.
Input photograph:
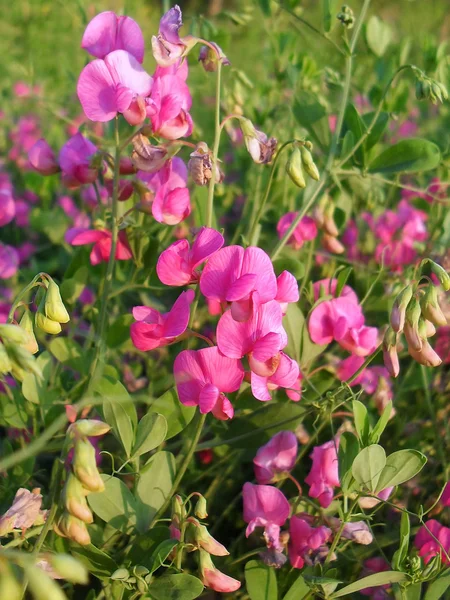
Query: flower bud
(74, 499)
(199, 536)
(126, 166)
(42, 158)
(346, 17)
(22, 361)
(200, 508)
(210, 58)
(89, 427)
(411, 328)
(53, 304)
(309, 164)
(359, 532)
(332, 244)
(213, 578)
(43, 322)
(76, 530)
(200, 165)
(259, 146)
(5, 361)
(42, 586)
(398, 312)
(178, 509)
(84, 466)
(390, 356)
(329, 223)
(426, 356)
(121, 574)
(26, 323)
(13, 333)
(430, 307)
(146, 157)
(441, 274)
(429, 328)
(69, 568)
(294, 168)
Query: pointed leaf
(368, 466)
(151, 432)
(371, 581)
(176, 587)
(176, 414)
(261, 581)
(362, 425)
(298, 590)
(378, 34)
(411, 155)
(115, 504)
(377, 431)
(400, 466)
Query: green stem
(338, 535)
(182, 470)
(22, 294)
(217, 132)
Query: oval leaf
(115, 504)
(261, 581)
(298, 590)
(368, 466)
(410, 155)
(176, 587)
(176, 414)
(400, 466)
(151, 432)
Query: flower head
(23, 513)
(276, 457)
(303, 538)
(265, 506)
(102, 240)
(75, 161)
(107, 32)
(305, 231)
(324, 474)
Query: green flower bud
(5, 361)
(89, 427)
(44, 323)
(121, 574)
(13, 333)
(398, 312)
(199, 536)
(441, 274)
(74, 529)
(200, 508)
(84, 466)
(26, 323)
(42, 586)
(74, 499)
(69, 568)
(53, 305)
(309, 164)
(294, 168)
(22, 360)
(430, 307)
(411, 329)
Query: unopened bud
(309, 164)
(74, 529)
(22, 361)
(426, 356)
(13, 333)
(441, 274)
(398, 312)
(178, 509)
(146, 157)
(89, 427)
(42, 586)
(346, 17)
(84, 466)
(69, 568)
(53, 306)
(332, 244)
(294, 168)
(26, 323)
(5, 361)
(429, 328)
(210, 58)
(200, 508)
(44, 323)
(329, 223)
(259, 146)
(411, 328)
(199, 535)
(121, 574)
(430, 307)
(213, 578)
(390, 356)
(359, 532)
(74, 499)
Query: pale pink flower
(265, 506)
(177, 265)
(213, 578)
(42, 158)
(324, 474)
(245, 278)
(369, 502)
(154, 329)
(102, 240)
(203, 377)
(9, 261)
(303, 539)
(305, 231)
(276, 457)
(427, 544)
(358, 532)
(75, 161)
(107, 32)
(23, 513)
(286, 376)
(287, 290)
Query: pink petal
(189, 377)
(267, 346)
(287, 373)
(90, 236)
(287, 288)
(222, 269)
(225, 373)
(173, 266)
(241, 287)
(207, 242)
(234, 338)
(223, 409)
(176, 321)
(100, 35)
(126, 70)
(123, 250)
(265, 502)
(259, 387)
(96, 92)
(208, 398)
(257, 261)
(171, 207)
(144, 336)
(129, 37)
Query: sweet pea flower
(372, 566)
(324, 474)
(203, 377)
(287, 290)
(42, 158)
(107, 32)
(276, 457)
(245, 278)
(155, 330)
(286, 376)
(117, 84)
(294, 392)
(7, 206)
(358, 531)
(23, 210)
(428, 545)
(369, 379)
(212, 578)
(75, 161)
(167, 46)
(102, 240)
(265, 506)
(325, 287)
(23, 513)
(260, 338)
(9, 261)
(178, 263)
(303, 539)
(305, 231)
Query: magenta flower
(9, 261)
(325, 287)
(155, 330)
(286, 376)
(113, 85)
(178, 263)
(102, 240)
(245, 278)
(305, 231)
(75, 160)
(303, 539)
(7, 206)
(171, 203)
(276, 457)
(42, 158)
(265, 506)
(287, 290)
(107, 32)
(168, 47)
(203, 377)
(428, 546)
(324, 474)
(23, 513)
(260, 338)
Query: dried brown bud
(146, 157)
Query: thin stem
(296, 483)
(217, 132)
(22, 294)
(338, 535)
(182, 470)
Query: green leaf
(348, 451)
(353, 123)
(413, 592)
(405, 532)
(377, 130)
(108, 387)
(378, 35)
(298, 590)
(362, 424)
(342, 280)
(265, 7)
(329, 13)
(151, 432)
(69, 353)
(368, 465)
(116, 416)
(400, 466)
(411, 155)
(97, 561)
(71, 288)
(347, 143)
(288, 263)
(115, 504)
(439, 586)
(35, 388)
(377, 431)
(176, 587)
(371, 581)
(261, 581)
(119, 332)
(311, 114)
(162, 552)
(300, 346)
(154, 485)
(177, 415)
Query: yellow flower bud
(90, 427)
(85, 467)
(13, 333)
(26, 323)
(74, 498)
(5, 361)
(44, 323)
(309, 164)
(294, 168)
(54, 306)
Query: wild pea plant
(273, 428)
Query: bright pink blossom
(286, 376)
(7, 206)
(154, 330)
(305, 231)
(114, 85)
(294, 392)
(107, 32)
(203, 377)
(287, 290)
(168, 47)
(265, 506)
(276, 457)
(324, 474)
(75, 160)
(102, 240)
(303, 539)
(178, 263)
(326, 287)
(430, 544)
(42, 158)
(245, 278)
(9, 261)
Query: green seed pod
(309, 164)
(294, 168)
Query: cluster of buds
(346, 16)
(260, 147)
(51, 311)
(324, 217)
(416, 313)
(301, 160)
(17, 346)
(83, 479)
(430, 89)
(200, 165)
(136, 578)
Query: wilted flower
(210, 56)
(24, 511)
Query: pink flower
(113, 85)
(325, 287)
(436, 188)
(107, 32)
(324, 474)
(24, 512)
(286, 376)
(102, 240)
(445, 498)
(9, 261)
(42, 158)
(430, 544)
(213, 578)
(178, 263)
(368, 378)
(75, 161)
(245, 278)
(168, 47)
(369, 502)
(22, 213)
(261, 338)
(305, 231)
(372, 566)
(154, 330)
(204, 376)
(171, 203)
(303, 539)
(7, 206)
(358, 532)
(294, 392)
(25, 251)
(265, 506)
(22, 89)
(287, 290)
(276, 457)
